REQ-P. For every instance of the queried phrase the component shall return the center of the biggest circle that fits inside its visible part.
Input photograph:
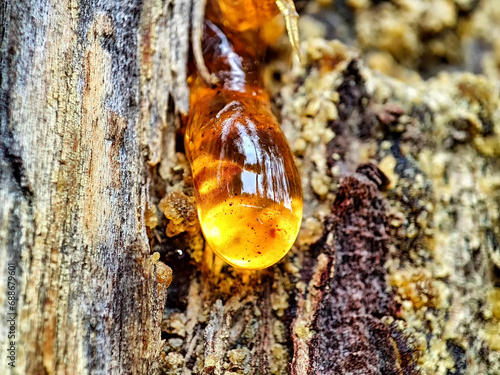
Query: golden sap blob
(247, 187)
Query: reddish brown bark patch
(351, 337)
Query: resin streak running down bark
(247, 186)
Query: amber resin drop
(247, 187)
(247, 14)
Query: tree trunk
(73, 188)
(396, 268)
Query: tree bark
(73, 191)
(396, 267)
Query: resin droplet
(247, 187)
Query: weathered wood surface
(73, 190)
(388, 276)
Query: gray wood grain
(73, 190)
